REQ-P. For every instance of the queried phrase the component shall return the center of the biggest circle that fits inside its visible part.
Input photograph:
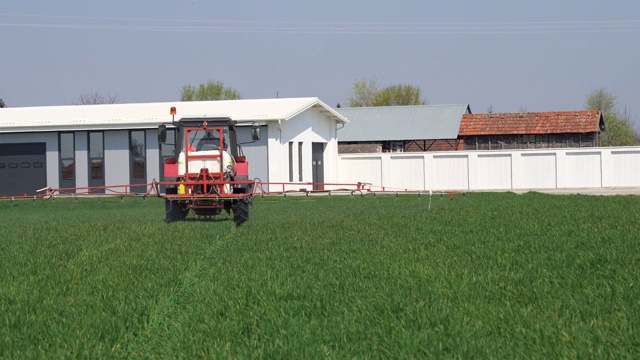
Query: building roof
(118, 116)
(390, 123)
(551, 122)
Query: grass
(485, 275)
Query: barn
(531, 130)
(92, 146)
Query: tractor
(210, 170)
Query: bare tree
(97, 98)
(490, 109)
(2, 104)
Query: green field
(485, 275)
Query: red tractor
(210, 170)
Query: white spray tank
(212, 164)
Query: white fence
(494, 170)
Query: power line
(355, 31)
(371, 28)
(567, 22)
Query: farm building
(531, 130)
(401, 128)
(84, 146)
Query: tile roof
(551, 122)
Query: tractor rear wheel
(240, 211)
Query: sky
(538, 55)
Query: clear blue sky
(541, 55)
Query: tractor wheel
(240, 212)
(174, 211)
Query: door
(22, 168)
(317, 164)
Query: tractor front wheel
(175, 211)
(240, 211)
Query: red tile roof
(552, 122)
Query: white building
(81, 146)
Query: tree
(2, 104)
(601, 99)
(364, 91)
(618, 124)
(367, 93)
(97, 99)
(398, 95)
(211, 90)
(619, 132)
(490, 109)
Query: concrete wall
(495, 170)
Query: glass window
(204, 140)
(290, 161)
(96, 158)
(137, 159)
(66, 145)
(96, 145)
(300, 161)
(97, 169)
(137, 143)
(168, 149)
(68, 169)
(67, 159)
(138, 168)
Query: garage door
(22, 168)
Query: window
(300, 161)
(96, 156)
(137, 147)
(67, 159)
(290, 161)
(167, 151)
